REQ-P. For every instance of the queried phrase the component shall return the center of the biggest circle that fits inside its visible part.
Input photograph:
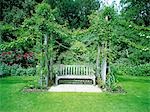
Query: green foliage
(75, 12)
(101, 28)
(17, 70)
(15, 11)
(132, 42)
(134, 70)
(33, 84)
(78, 47)
(15, 16)
(78, 53)
(5, 69)
(111, 81)
(137, 11)
(45, 11)
(110, 12)
(100, 83)
(6, 32)
(26, 23)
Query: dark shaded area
(75, 12)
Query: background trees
(74, 12)
(74, 31)
(137, 11)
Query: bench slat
(75, 70)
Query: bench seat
(75, 72)
(91, 77)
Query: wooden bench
(75, 72)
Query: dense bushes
(17, 70)
(139, 70)
(17, 56)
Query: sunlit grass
(137, 98)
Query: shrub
(33, 83)
(31, 71)
(18, 56)
(100, 83)
(111, 84)
(5, 69)
(138, 70)
(111, 81)
(25, 71)
(20, 72)
(13, 69)
(17, 70)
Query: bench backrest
(75, 70)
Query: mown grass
(137, 98)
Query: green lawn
(137, 98)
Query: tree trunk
(104, 58)
(98, 60)
(103, 71)
(41, 73)
(51, 60)
(104, 62)
(46, 59)
(41, 78)
(51, 68)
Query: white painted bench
(75, 72)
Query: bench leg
(94, 82)
(56, 81)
